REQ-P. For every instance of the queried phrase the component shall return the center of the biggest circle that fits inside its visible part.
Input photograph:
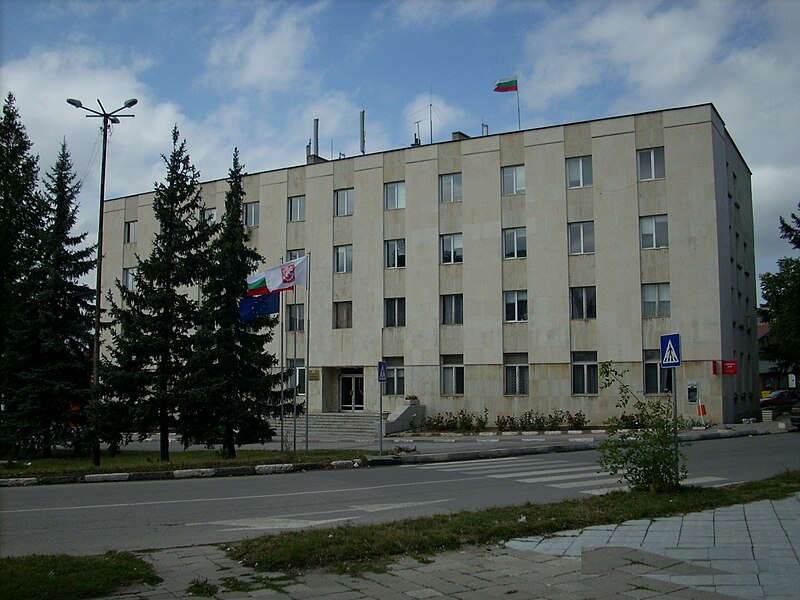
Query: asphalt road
(93, 518)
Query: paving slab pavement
(743, 551)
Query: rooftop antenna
(430, 118)
(417, 124)
(362, 138)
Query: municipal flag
(280, 278)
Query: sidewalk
(742, 551)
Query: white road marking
(546, 472)
(550, 478)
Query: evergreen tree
(151, 341)
(21, 222)
(21, 217)
(232, 394)
(781, 292)
(50, 340)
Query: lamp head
(74, 102)
(131, 103)
(114, 120)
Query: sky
(254, 74)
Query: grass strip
(355, 548)
(62, 577)
(65, 463)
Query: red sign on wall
(729, 367)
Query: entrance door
(351, 393)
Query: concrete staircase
(333, 427)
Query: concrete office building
(498, 271)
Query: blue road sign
(671, 350)
(381, 371)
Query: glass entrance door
(351, 393)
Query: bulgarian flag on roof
(509, 84)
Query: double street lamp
(108, 119)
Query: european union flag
(258, 306)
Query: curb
(571, 444)
(181, 473)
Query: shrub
(576, 421)
(650, 458)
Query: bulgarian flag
(280, 278)
(509, 84)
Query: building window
(651, 164)
(515, 243)
(579, 172)
(394, 312)
(250, 214)
(581, 237)
(343, 202)
(298, 378)
(452, 374)
(209, 215)
(296, 316)
(516, 306)
(296, 209)
(342, 315)
(343, 258)
(295, 254)
(452, 249)
(394, 195)
(395, 376)
(657, 380)
(129, 235)
(655, 300)
(513, 180)
(582, 303)
(515, 374)
(395, 251)
(584, 372)
(453, 309)
(129, 278)
(654, 231)
(450, 188)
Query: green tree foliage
(21, 216)
(154, 321)
(49, 352)
(649, 458)
(231, 397)
(781, 291)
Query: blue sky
(254, 74)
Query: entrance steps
(333, 427)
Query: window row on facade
(516, 372)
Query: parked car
(781, 399)
(794, 415)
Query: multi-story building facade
(497, 272)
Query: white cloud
(430, 13)
(268, 54)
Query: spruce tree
(153, 321)
(50, 340)
(232, 395)
(21, 223)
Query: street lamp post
(108, 118)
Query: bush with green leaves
(649, 458)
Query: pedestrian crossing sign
(670, 350)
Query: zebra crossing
(585, 477)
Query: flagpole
(294, 365)
(308, 341)
(519, 120)
(281, 314)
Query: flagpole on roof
(519, 120)
(308, 340)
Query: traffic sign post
(381, 381)
(670, 359)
